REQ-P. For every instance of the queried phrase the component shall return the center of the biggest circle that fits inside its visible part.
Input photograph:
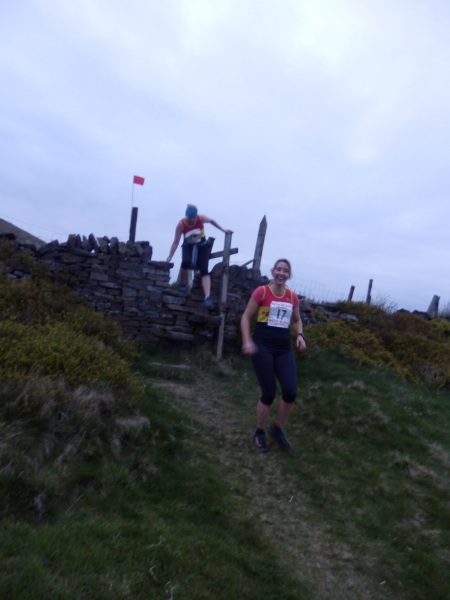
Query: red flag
(138, 180)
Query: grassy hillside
(130, 474)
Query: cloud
(329, 118)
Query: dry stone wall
(120, 280)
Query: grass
(171, 515)
(158, 522)
(376, 463)
(144, 484)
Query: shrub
(402, 341)
(353, 341)
(57, 350)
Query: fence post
(223, 292)
(369, 297)
(350, 294)
(134, 213)
(260, 243)
(433, 309)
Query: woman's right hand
(249, 348)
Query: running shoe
(208, 303)
(280, 437)
(259, 441)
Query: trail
(321, 563)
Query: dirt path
(318, 561)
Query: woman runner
(276, 307)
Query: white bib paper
(280, 314)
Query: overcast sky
(330, 118)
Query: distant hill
(6, 229)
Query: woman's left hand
(300, 343)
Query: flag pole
(134, 210)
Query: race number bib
(280, 314)
(192, 237)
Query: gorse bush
(62, 353)
(38, 301)
(11, 259)
(441, 327)
(46, 328)
(354, 342)
(66, 381)
(403, 342)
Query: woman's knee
(267, 399)
(289, 396)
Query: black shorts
(196, 256)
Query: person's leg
(262, 412)
(186, 264)
(263, 365)
(202, 265)
(283, 412)
(264, 369)
(286, 373)
(184, 276)
(206, 285)
(204, 251)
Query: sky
(331, 119)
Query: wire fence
(319, 292)
(42, 233)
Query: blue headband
(191, 212)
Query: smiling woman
(275, 307)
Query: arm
(248, 345)
(176, 241)
(206, 219)
(298, 327)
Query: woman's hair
(285, 260)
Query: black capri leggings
(196, 256)
(271, 364)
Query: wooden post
(260, 243)
(433, 309)
(223, 293)
(350, 294)
(369, 298)
(134, 213)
